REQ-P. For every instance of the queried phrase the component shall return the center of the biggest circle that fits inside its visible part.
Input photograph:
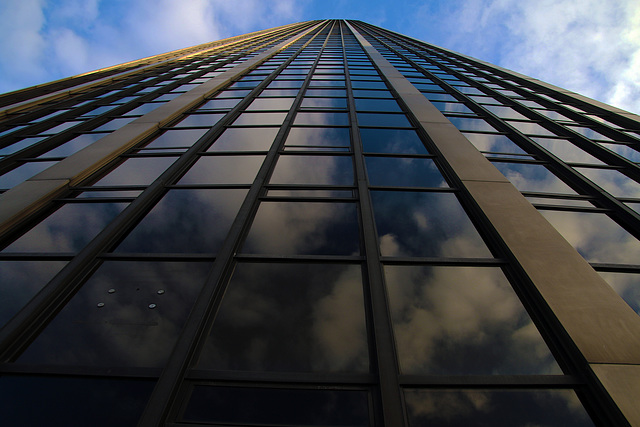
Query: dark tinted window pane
(182, 222)
(404, 172)
(324, 103)
(239, 139)
(46, 401)
(271, 104)
(256, 320)
(462, 321)
(304, 228)
(144, 307)
(20, 281)
(390, 120)
(284, 407)
(294, 169)
(399, 141)
(365, 104)
(260, 119)
(424, 225)
(137, 171)
(177, 138)
(199, 120)
(529, 177)
(223, 170)
(74, 145)
(68, 229)
(513, 408)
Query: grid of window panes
(576, 162)
(238, 253)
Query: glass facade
(319, 224)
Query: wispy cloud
(587, 46)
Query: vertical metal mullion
(160, 403)
(386, 358)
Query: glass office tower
(321, 224)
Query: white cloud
(586, 46)
(43, 40)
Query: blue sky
(588, 46)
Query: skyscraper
(324, 223)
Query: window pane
(240, 139)
(504, 408)
(182, 222)
(223, 170)
(282, 406)
(304, 228)
(267, 304)
(127, 314)
(407, 172)
(399, 141)
(424, 225)
(295, 169)
(462, 321)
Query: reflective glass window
(422, 224)
(501, 408)
(317, 169)
(612, 181)
(399, 141)
(128, 313)
(241, 139)
(404, 172)
(307, 228)
(223, 170)
(68, 229)
(322, 119)
(181, 222)
(267, 304)
(532, 177)
(137, 171)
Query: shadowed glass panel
(452, 107)
(462, 321)
(304, 228)
(471, 124)
(271, 104)
(68, 229)
(137, 171)
(366, 104)
(422, 224)
(177, 138)
(20, 281)
(503, 408)
(325, 103)
(127, 314)
(281, 406)
(19, 145)
(223, 170)
(531, 177)
(74, 145)
(181, 222)
(372, 93)
(320, 169)
(397, 141)
(627, 285)
(254, 323)
(258, 119)
(240, 139)
(404, 172)
(595, 236)
(98, 402)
